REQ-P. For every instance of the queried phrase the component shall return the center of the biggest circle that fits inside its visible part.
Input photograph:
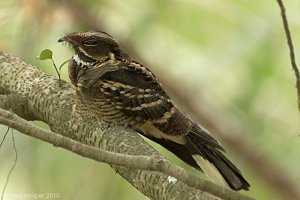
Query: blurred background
(226, 63)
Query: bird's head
(94, 46)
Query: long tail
(208, 154)
(205, 153)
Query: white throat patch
(80, 62)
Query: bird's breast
(100, 107)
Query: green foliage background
(231, 54)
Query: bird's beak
(68, 39)
(63, 39)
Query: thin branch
(130, 161)
(3, 139)
(291, 48)
(13, 166)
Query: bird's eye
(90, 42)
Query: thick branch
(18, 104)
(53, 104)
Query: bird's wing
(133, 89)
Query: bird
(116, 89)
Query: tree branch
(45, 102)
(18, 103)
(291, 48)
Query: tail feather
(178, 149)
(200, 150)
(210, 158)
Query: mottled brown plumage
(116, 89)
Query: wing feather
(135, 90)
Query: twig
(130, 161)
(13, 166)
(58, 72)
(291, 48)
(3, 139)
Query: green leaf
(46, 54)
